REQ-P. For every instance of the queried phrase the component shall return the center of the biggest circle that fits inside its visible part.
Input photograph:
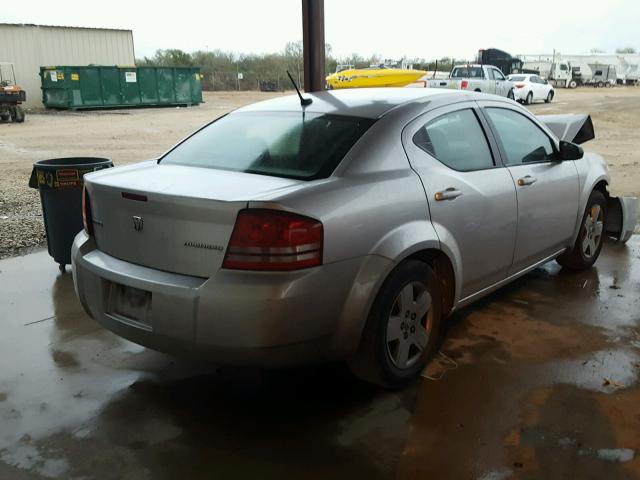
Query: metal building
(31, 46)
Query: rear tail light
(87, 219)
(519, 85)
(274, 240)
(464, 84)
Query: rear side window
(467, 72)
(280, 144)
(457, 140)
(522, 140)
(517, 78)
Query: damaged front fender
(622, 217)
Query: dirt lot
(128, 136)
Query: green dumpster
(94, 87)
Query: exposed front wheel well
(601, 186)
(443, 269)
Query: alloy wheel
(409, 325)
(593, 226)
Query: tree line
(220, 69)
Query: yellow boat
(374, 77)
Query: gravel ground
(128, 136)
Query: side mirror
(570, 151)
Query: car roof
(357, 102)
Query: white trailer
(625, 65)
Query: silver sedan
(348, 228)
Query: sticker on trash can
(75, 76)
(65, 178)
(130, 77)
(53, 75)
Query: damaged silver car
(344, 228)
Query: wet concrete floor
(537, 381)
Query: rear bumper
(236, 317)
(521, 93)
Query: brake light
(464, 84)
(87, 219)
(274, 240)
(519, 85)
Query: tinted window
(563, 66)
(517, 78)
(467, 72)
(457, 140)
(523, 140)
(280, 144)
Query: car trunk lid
(170, 217)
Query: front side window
(523, 140)
(457, 140)
(281, 144)
(497, 75)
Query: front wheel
(588, 245)
(549, 97)
(401, 333)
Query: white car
(529, 88)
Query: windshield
(467, 72)
(517, 78)
(281, 144)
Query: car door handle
(527, 180)
(448, 194)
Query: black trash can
(60, 183)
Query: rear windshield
(517, 78)
(467, 72)
(280, 144)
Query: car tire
(590, 239)
(529, 99)
(549, 97)
(398, 340)
(573, 84)
(511, 95)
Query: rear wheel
(17, 114)
(549, 97)
(401, 333)
(529, 99)
(511, 95)
(588, 245)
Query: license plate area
(130, 305)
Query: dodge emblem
(138, 223)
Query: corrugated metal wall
(32, 46)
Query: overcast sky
(392, 29)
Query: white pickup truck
(477, 78)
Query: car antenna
(303, 101)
